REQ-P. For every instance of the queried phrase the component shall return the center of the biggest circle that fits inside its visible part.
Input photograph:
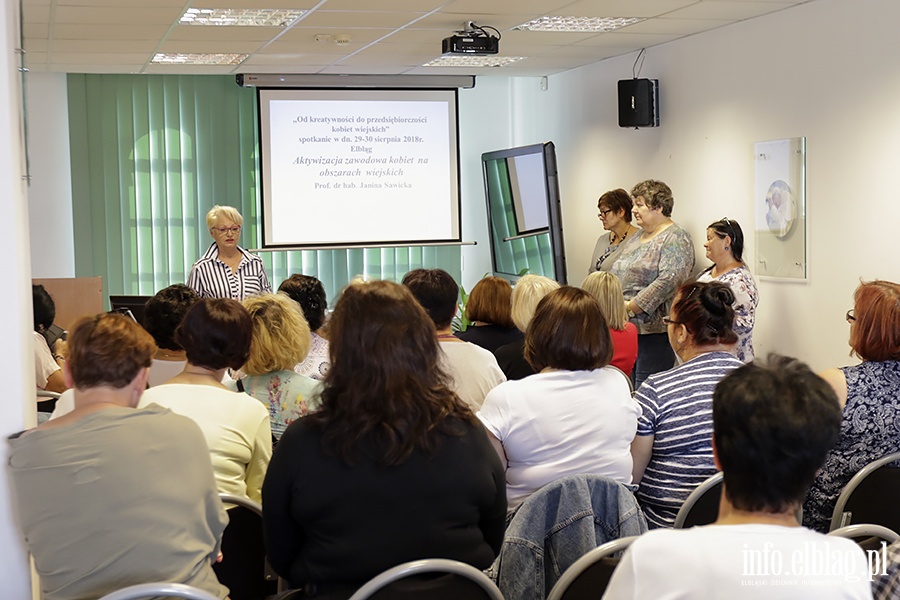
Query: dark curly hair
(386, 384)
(164, 311)
(309, 293)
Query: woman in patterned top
(725, 246)
(869, 394)
(309, 293)
(651, 266)
(280, 341)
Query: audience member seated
(869, 394)
(48, 362)
(574, 415)
(473, 370)
(309, 293)
(394, 467)
(488, 311)
(607, 290)
(162, 314)
(215, 335)
(280, 341)
(773, 425)
(525, 297)
(110, 495)
(673, 447)
(886, 580)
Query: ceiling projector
(472, 40)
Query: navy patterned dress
(870, 429)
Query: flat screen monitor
(133, 303)
(522, 194)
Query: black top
(511, 359)
(329, 523)
(490, 336)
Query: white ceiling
(387, 36)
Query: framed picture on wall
(779, 201)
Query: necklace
(615, 239)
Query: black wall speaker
(639, 103)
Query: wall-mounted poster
(780, 208)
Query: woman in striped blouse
(672, 450)
(226, 270)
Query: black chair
(46, 401)
(244, 569)
(588, 577)
(433, 578)
(145, 591)
(870, 496)
(702, 506)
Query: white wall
(17, 408)
(823, 70)
(50, 189)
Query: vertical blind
(151, 154)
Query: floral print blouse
(746, 297)
(288, 395)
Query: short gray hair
(526, 294)
(229, 212)
(656, 194)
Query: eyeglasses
(850, 316)
(727, 221)
(223, 230)
(603, 213)
(669, 321)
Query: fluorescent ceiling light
(579, 24)
(463, 60)
(241, 17)
(199, 59)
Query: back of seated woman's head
(43, 306)
(568, 332)
(309, 293)
(108, 350)
(607, 291)
(280, 334)
(215, 333)
(490, 302)
(875, 334)
(386, 379)
(705, 309)
(525, 297)
(164, 311)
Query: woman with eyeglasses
(651, 266)
(227, 270)
(672, 450)
(724, 247)
(614, 211)
(869, 395)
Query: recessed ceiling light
(241, 17)
(199, 59)
(579, 24)
(462, 60)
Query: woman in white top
(215, 335)
(725, 246)
(576, 414)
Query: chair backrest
(155, 590)
(870, 496)
(588, 577)
(702, 506)
(866, 530)
(243, 569)
(48, 403)
(449, 580)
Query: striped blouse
(677, 411)
(212, 278)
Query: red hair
(876, 334)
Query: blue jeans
(654, 356)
